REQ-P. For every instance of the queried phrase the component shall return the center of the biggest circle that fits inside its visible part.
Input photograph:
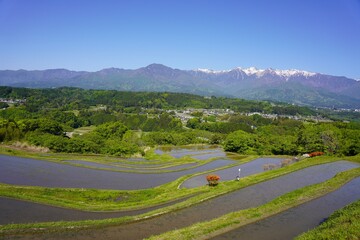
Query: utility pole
(238, 176)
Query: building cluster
(12, 101)
(185, 115)
(294, 117)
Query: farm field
(179, 120)
(189, 200)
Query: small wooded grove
(125, 123)
(331, 138)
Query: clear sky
(314, 35)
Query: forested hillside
(77, 99)
(290, 86)
(124, 123)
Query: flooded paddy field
(290, 223)
(206, 156)
(134, 167)
(31, 172)
(192, 151)
(255, 166)
(248, 197)
(18, 211)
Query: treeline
(113, 133)
(229, 123)
(66, 99)
(112, 138)
(124, 123)
(291, 137)
(257, 135)
(127, 134)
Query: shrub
(213, 180)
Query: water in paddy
(18, 211)
(251, 196)
(206, 156)
(134, 167)
(26, 171)
(193, 151)
(247, 169)
(289, 224)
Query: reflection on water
(134, 168)
(244, 198)
(24, 171)
(18, 211)
(193, 151)
(295, 221)
(247, 169)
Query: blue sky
(314, 35)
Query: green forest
(73, 120)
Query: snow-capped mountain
(292, 86)
(260, 72)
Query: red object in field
(314, 154)
(212, 179)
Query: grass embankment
(158, 162)
(204, 193)
(342, 224)
(150, 157)
(105, 200)
(205, 230)
(95, 199)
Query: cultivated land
(80, 164)
(100, 200)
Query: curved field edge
(150, 158)
(205, 194)
(107, 200)
(122, 200)
(342, 224)
(208, 229)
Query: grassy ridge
(342, 224)
(163, 161)
(204, 230)
(106, 200)
(93, 199)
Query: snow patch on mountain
(251, 71)
(205, 70)
(292, 72)
(260, 72)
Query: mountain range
(291, 86)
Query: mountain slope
(291, 86)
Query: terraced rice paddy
(246, 169)
(17, 211)
(295, 221)
(146, 174)
(31, 172)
